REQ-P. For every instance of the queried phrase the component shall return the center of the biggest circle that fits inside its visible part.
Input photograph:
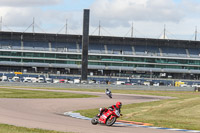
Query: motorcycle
(109, 94)
(108, 117)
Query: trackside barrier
(99, 86)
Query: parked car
(134, 83)
(56, 80)
(128, 83)
(196, 85)
(184, 85)
(77, 81)
(62, 81)
(120, 82)
(49, 80)
(27, 79)
(156, 84)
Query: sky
(116, 17)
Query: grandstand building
(107, 56)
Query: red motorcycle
(108, 117)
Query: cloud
(191, 7)
(50, 15)
(120, 12)
(116, 16)
(19, 15)
(28, 3)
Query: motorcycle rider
(108, 92)
(117, 107)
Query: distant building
(108, 56)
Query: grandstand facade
(107, 56)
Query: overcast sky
(116, 17)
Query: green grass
(48, 88)
(15, 93)
(181, 112)
(4, 128)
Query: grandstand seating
(63, 47)
(96, 48)
(35, 46)
(8, 44)
(145, 50)
(174, 52)
(195, 53)
(119, 49)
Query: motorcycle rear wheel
(94, 120)
(110, 122)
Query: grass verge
(181, 112)
(15, 93)
(4, 128)
(51, 88)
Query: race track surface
(48, 113)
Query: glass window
(49, 61)
(73, 56)
(93, 57)
(60, 62)
(28, 54)
(71, 62)
(39, 61)
(16, 60)
(47, 55)
(4, 59)
(27, 60)
(38, 54)
(62, 56)
(15, 53)
(5, 53)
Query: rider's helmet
(118, 104)
(106, 89)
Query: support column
(22, 43)
(50, 46)
(85, 43)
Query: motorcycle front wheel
(110, 122)
(94, 120)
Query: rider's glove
(121, 115)
(111, 109)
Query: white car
(185, 85)
(196, 85)
(27, 79)
(156, 84)
(134, 84)
(77, 81)
(49, 80)
(120, 82)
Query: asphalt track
(48, 113)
